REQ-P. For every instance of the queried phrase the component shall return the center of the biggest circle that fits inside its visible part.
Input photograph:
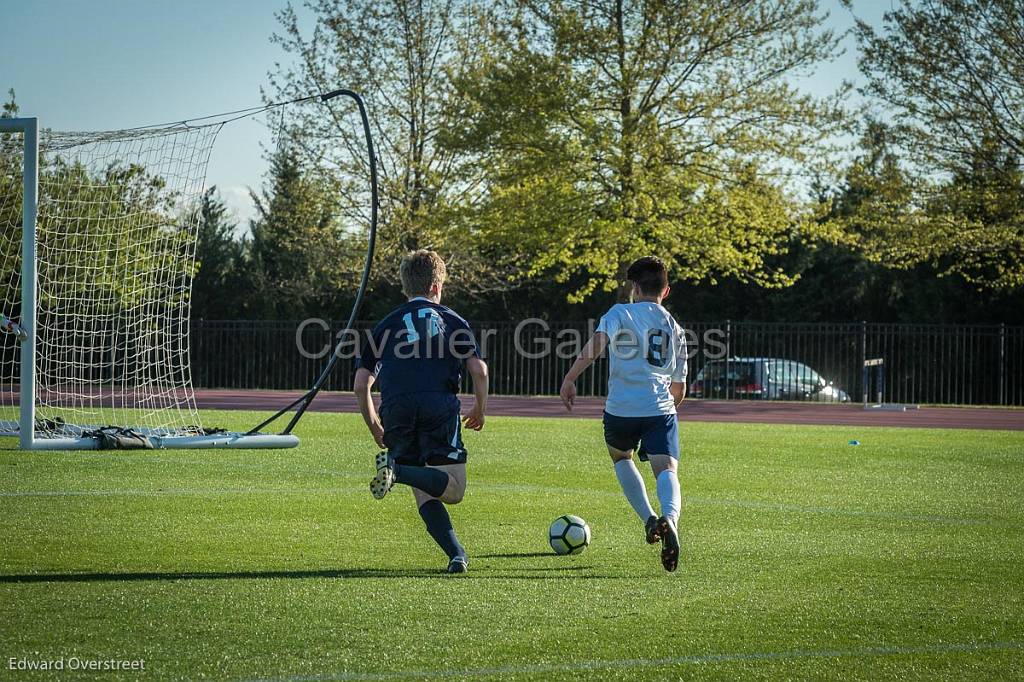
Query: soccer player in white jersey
(646, 383)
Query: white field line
(180, 492)
(640, 663)
(760, 505)
(835, 511)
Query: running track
(692, 410)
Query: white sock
(668, 494)
(633, 485)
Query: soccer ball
(569, 535)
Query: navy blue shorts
(423, 428)
(658, 435)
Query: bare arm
(678, 391)
(478, 370)
(363, 383)
(678, 386)
(592, 351)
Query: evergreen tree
(10, 107)
(216, 290)
(300, 263)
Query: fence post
(728, 355)
(1002, 363)
(864, 358)
(881, 383)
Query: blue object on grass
(854, 442)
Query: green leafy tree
(106, 239)
(869, 274)
(979, 216)
(607, 130)
(402, 57)
(10, 221)
(951, 73)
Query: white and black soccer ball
(569, 535)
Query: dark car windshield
(737, 371)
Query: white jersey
(647, 353)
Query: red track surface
(692, 410)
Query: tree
(608, 129)
(979, 216)
(110, 231)
(951, 73)
(401, 55)
(116, 230)
(864, 275)
(217, 293)
(298, 251)
(10, 107)
(10, 210)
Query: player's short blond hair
(420, 270)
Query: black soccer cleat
(651, 528)
(669, 544)
(458, 564)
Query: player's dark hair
(650, 274)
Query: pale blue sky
(104, 64)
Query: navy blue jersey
(418, 348)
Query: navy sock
(431, 481)
(439, 525)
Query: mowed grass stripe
(754, 505)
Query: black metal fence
(944, 364)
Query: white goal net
(114, 259)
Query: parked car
(764, 379)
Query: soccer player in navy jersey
(415, 354)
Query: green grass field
(803, 557)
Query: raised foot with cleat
(651, 529)
(458, 564)
(669, 544)
(385, 477)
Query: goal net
(114, 256)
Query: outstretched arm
(592, 351)
(363, 383)
(478, 370)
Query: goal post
(29, 130)
(97, 253)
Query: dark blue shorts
(657, 435)
(423, 428)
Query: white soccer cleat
(385, 478)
